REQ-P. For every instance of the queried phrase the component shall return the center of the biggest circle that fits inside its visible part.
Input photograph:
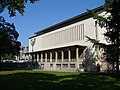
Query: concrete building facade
(64, 46)
(24, 53)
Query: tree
(8, 38)
(112, 34)
(14, 5)
(113, 28)
(8, 57)
(8, 34)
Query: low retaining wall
(18, 65)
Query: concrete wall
(67, 36)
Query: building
(64, 46)
(24, 53)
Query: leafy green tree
(8, 57)
(8, 38)
(8, 33)
(112, 34)
(14, 5)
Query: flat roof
(60, 48)
(68, 22)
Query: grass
(41, 80)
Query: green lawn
(39, 80)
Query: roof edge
(68, 21)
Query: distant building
(24, 53)
(64, 46)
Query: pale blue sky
(46, 13)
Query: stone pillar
(69, 55)
(37, 57)
(50, 56)
(41, 57)
(77, 51)
(45, 57)
(24, 57)
(76, 54)
(62, 55)
(30, 57)
(56, 56)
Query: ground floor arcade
(63, 59)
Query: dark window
(65, 65)
(81, 66)
(51, 65)
(72, 65)
(58, 65)
(42, 65)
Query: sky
(46, 13)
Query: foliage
(8, 38)
(14, 5)
(111, 22)
(8, 57)
(8, 34)
(94, 41)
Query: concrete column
(56, 56)
(77, 54)
(41, 57)
(77, 51)
(45, 57)
(50, 56)
(24, 57)
(30, 56)
(62, 55)
(37, 57)
(69, 55)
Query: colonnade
(59, 59)
(43, 56)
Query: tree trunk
(0, 57)
(117, 56)
(113, 67)
(117, 67)
(117, 61)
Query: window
(48, 60)
(42, 65)
(65, 65)
(81, 66)
(58, 65)
(72, 65)
(51, 65)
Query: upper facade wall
(73, 34)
